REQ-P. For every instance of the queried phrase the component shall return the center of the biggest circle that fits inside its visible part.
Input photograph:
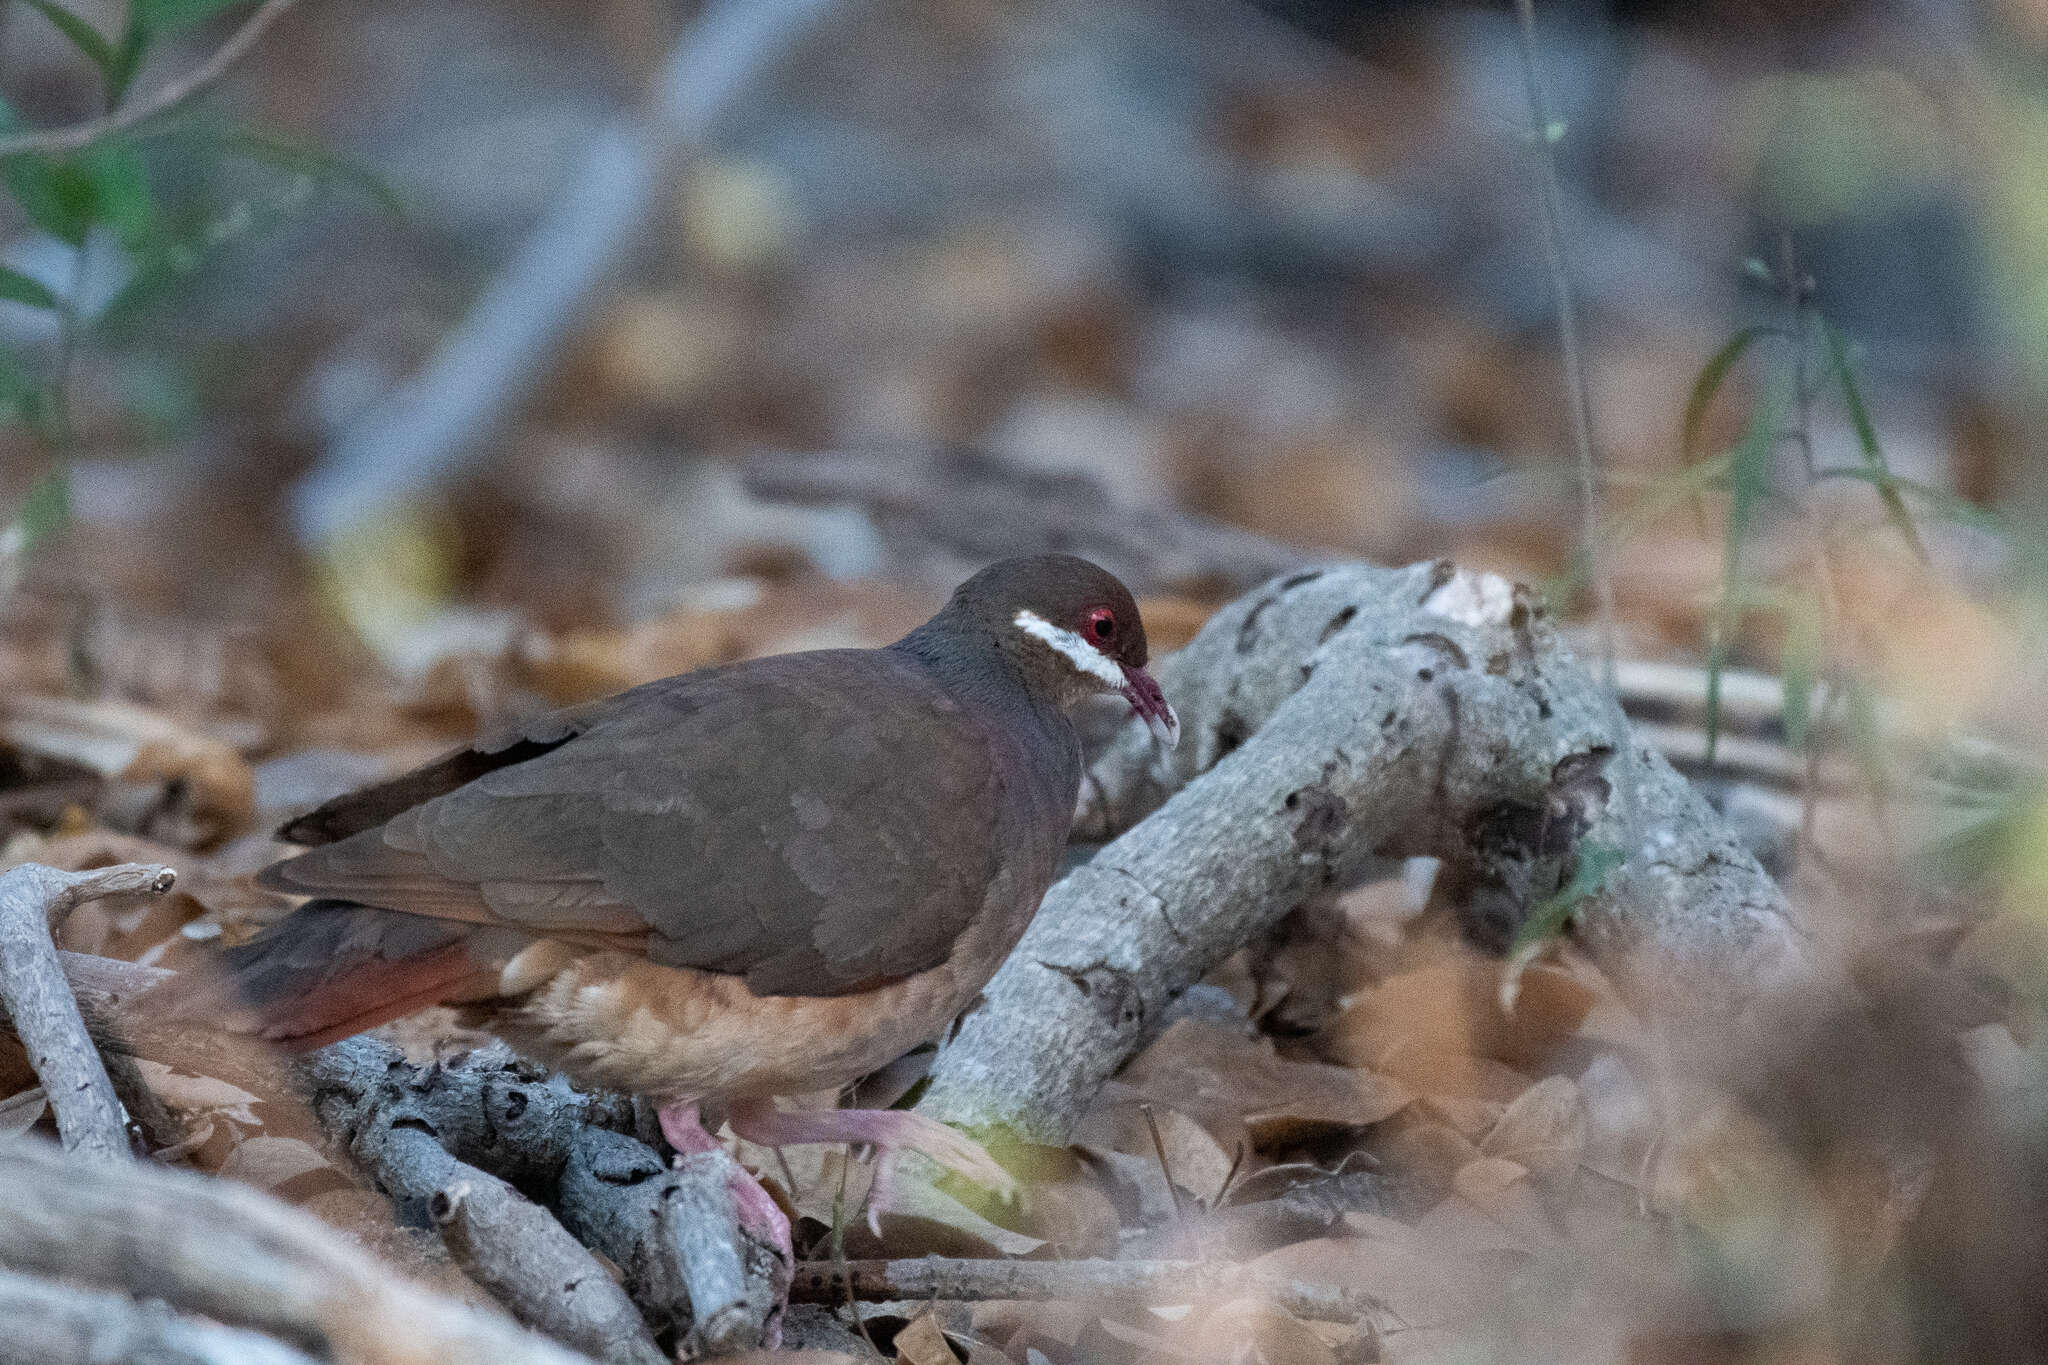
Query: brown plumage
(746, 881)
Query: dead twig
(936, 1277)
(53, 141)
(39, 1002)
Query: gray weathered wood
(1340, 714)
(59, 1324)
(39, 1002)
(230, 1253)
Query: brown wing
(368, 806)
(815, 821)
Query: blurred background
(442, 361)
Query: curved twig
(45, 1014)
(71, 137)
(935, 1277)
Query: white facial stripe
(1078, 652)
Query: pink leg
(758, 1215)
(890, 1131)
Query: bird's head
(1073, 629)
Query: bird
(749, 881)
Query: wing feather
(686, 808)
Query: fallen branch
(1162, 1282)
(227, 1252)
(40, 1004)
(979, 508)
(52, 141)
(493, 1116)
(675, 1235)
(422, 1130)
(1332, 716)
(491, 360)
(59, 1324)
(509, 1245)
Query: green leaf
(1749, 472)
(83, 36)
(1866, 436)
(24, 289)
(1596, 862)
(20, 398)
(47, 508)
(128, 54)
(121, 194)
(326, 168)
(58, 196)
(1704, 387)
(1708, 383)
(173, 16)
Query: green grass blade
(1705, 386)
(22, 289)
(1800, 668)
(83, 36)
(1708, 383)
(127, 58)
(1866, 436)
(1596, 862)
(1941, 502)
(1749, 473)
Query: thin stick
(937, 1277)
(39, 1001)
(74, 136)
(1576, 391)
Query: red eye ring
(1102, 623)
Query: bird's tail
(330, 969)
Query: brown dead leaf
(21, 1111)
(269, 1162)
(1196, 1161)
(1072, 1213)
(1452, 1008)
(923, 1342)
(202, 790)
(1240, 1087)
(1470, 1116)
(1544, 1129)
(1171, 622)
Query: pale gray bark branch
(227, 1252)
(39, 1002)
(1157, 1282)
(58, 1324)
(491, 360)
(508, 1244)
(979, 508)
(1333, 716)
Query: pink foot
(890, 1131)
(758, 1215)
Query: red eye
(1102, 623)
